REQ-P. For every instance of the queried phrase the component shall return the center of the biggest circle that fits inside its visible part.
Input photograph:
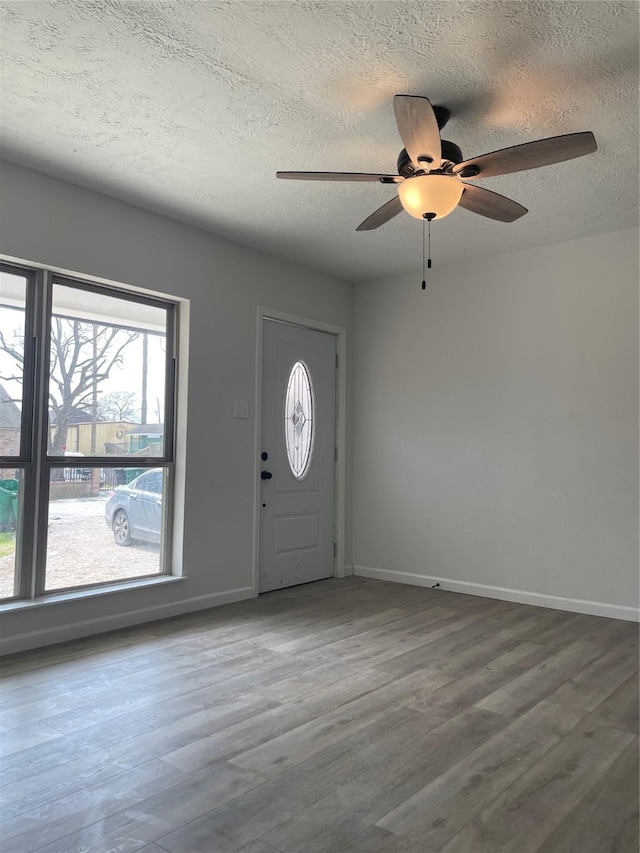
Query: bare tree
(15, 349)
(82, 356)
(118, 406)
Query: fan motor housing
(450, 152)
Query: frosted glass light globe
(438, 194)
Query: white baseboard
(348, 572)
(574, 605)
(103, 624)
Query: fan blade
(381, 215)
(530, 155)
(339, 176)
(419, 129)
(487, 203)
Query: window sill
(79, 594)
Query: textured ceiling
(189, 108)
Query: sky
(125, 377)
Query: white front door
(297, 455)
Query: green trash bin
(8, 504)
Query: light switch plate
(241, 409)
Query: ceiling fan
(431, 169)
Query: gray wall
(496, 417)
(51, 222)
(496, 414)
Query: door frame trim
(340, 481)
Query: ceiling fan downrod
(426, 156)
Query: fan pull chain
(428, 217)
(424, 282)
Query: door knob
(266, 475)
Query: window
(86, 433)
(298, 420)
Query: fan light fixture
(438, 192)
(424, 194)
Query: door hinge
(335, 549)
(335, 454)
(337, 360)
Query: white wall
(496, 426)
(54, 223)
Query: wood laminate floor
(354, 716)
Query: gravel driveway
(81, 549)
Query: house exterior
(10, 419)
(110, 435)
(146, 439)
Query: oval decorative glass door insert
(298, 420)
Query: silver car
(134, 511)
